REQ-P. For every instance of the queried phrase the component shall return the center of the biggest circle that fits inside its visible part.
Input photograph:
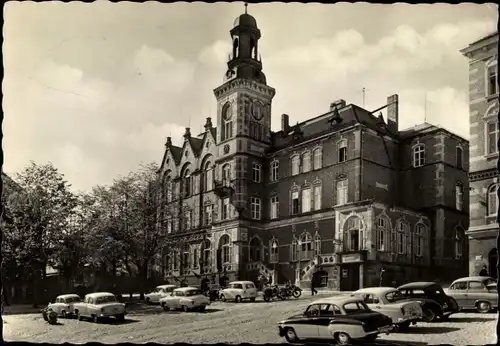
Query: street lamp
(299, 244)
(274, 246)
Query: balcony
(223, 188)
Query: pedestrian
(313, 285)
(484, 271)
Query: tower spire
(246, 7)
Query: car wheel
(342, 338)
(165, 307)
(429, 315)
(185, 308)
(63, 314)
(403, 326)
(223, 298)
(120, 317)
(483, 307)
(290, 335)
(202, 309)
(237, 299)
(95, 319)
(252, 299)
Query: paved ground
(231, 323)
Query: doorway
(492, 262)
(349, 277)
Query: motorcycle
(49, 315)
(272, 292)
(293, 291)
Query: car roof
(418, 284)
(184, 289)
(166, 286)
(99, 294)
(241, 282)
(469, 278)
(375, 290)
(68, 296)
(340, 300)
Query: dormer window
(227, 122)
(418, 155)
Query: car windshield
(354, 307)
(191, 293)
(394, 296)
(105, 299)
(73, 300)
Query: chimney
(393, 113)
(187, 134)
(208, 124)
(168, 144)
(337, 104)
(285, 125)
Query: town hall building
(343, 196)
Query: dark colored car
(342, 319)
(435, 303)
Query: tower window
(256, 169)
(418, 155)
(460, 157)
(227, 122)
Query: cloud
(215, 54)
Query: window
(459, 196)
(317, 158)
(225, 209)
(460, 158)
(274, 170)
(306, 200)
(187, 220)
(207, 215)
(226, 174)
(169, 225)
(175, 257)
(255, 208)
(196, 258)
(353, 235)
(255, 250)
(274, 207)
(459, 286)
(306, 162)
(317, 197)
(382, 234)
(293, 254)
(208, 181)
(492, 87)
(207, 247)
(295, 203)
(476, 285)
(317, 245)
(226, 249)
(186, 183)
(419, 239)
(274, 254)
(418, 155)
(342, 186)
(493, 200)
(185, 258)
(492, 137)
(342, 150)
(458, 242)
(227, 122)
(295, 165)
(402, 234)
(305, 246)
(256, 172)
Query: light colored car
(185, 298)
(475, 292)
(64, 304)
(391, 302)
(158, 293)
(342, 319)
(100, 305)
(238, 291)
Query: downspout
(361, 163)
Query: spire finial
(246, 6)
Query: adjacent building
(483, 176)
(344, 196)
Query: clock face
(257, 110)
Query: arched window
(294, 250)
(306, 162)
(459, 235)
(225, 246)
(418, 155)
(419, 239)
(208, 176)
(186, 183)
(342, 150)
(459, 196)
(235, 48)
(255, 250)
(206, 256)
(353, 234)
(305, 246)
(383, 234)
(459, 157)
(402, 230)
(318, 158)
(185, 258)
(295, 165)
(274, 170)
(493, 200)
(226, 173)
(227, 122)
(491, 77)
(317, 245)
(274, 253)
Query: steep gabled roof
(196, 145)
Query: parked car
(238, 291)
(475, 292)
(100, 305)
(390, 302)
(342, 319)
(185, 298)
(435, 303)
(64, 304)
(158, 293)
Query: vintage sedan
(100, 305)
(435, 303)
(238, 291)
(158, 293)
(185, 298)
(342, 319)
(475, 292)
(64, 304)
(390, 302)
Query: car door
(369, 300)
(476, 290)
(326, 315)
(458, 291)
(307, 328)
(250, 290)
(171, 300)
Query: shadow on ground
(431, 330)
(470, 319)
(156, 309)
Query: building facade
(343, 196)
(483, 176)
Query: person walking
(313, 285)
(484, 271)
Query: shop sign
(351, 258)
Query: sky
(95, 88)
